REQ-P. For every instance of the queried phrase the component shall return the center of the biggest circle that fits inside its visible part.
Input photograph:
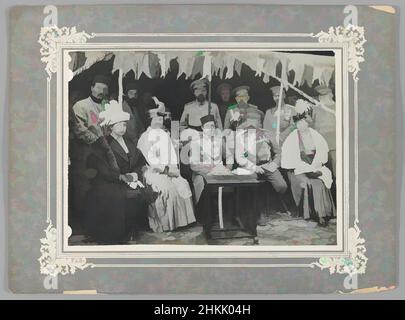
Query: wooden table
(217, 183)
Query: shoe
(239, 222)
(262, 221)
(322, 222)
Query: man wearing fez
(194, 110)
(224, 91)
(207, 151)
(87, 131)
(131, 104)
(325, 122)
(242, 111)
(286, 113)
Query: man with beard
(87, 131)
(195, 110)
(131, 104)
(325, 122)
(243, 111)
(224, 92)
(286, 113)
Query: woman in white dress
(173, 207)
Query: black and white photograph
(204, 147)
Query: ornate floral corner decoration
(51, 36)
(354, 37)
(355, 263)
(50, 264)
(49, 39)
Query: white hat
(302, 106)
(159, 111)
(113, 114)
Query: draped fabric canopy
(280, 65)
(291, 69)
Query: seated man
(256, 152)
(206, 159)
(243, 111)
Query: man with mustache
(287, 111)
(243, 111)
(87, 131)
(200, 107)
(224, 91)
(132, 105)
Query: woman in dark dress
(117, 196)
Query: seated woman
(173, 207)
(116, 196)
(305, 153)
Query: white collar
(121, 141)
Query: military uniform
(286, 121)
(258, 150)
(243, 113)
(193, 112)
(249, 113)
(325, 123)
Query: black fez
(207, 118)
(101, 79)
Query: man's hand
(124, 178)
(133, 176)
(272, 167)
(259, 170)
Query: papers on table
(220, 170)
(242, 172)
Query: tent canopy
(296, 67)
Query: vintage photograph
(204, 147)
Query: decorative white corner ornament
(354, 36)
(50, 264)
(354, 264)
(51, 36)
(49, 39)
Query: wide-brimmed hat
(159, 111)
(302, 110)
(113, 114)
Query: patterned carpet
(280, 229)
